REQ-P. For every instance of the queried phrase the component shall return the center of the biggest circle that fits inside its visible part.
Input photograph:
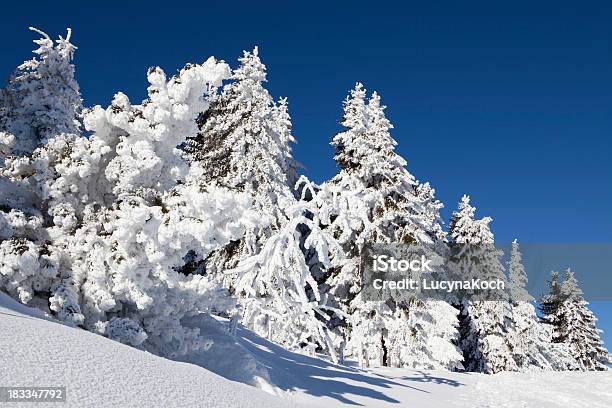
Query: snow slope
(316, 382)
(102, 373)
(38, 351)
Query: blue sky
(510, 103)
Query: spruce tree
(574, 324)
(517, 277)
(39, 118)
(94, 229)
(532, 345)
(42, 97)
(375, 199)
(485, 325)
(244, 144)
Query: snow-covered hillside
(99, 372)
(315, 382)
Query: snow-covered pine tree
(244, 141)
(42, 96)
(41, 103)
(126, 256)
(574, 324)
(375, 200)
(551, 302)
(517, 277)
(424, 332)
(430, 207)
(485, 325)
(532, 345)
(110, 217)
(244, 144)
(277, 287)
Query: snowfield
(99, 372)
(315, 382)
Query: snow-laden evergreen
(120, 220)
(41, 103)
(531, 340)
(574, 324)
(153, 222)
(485, 325)
(517, 277)
(244, 144)
(377, 200)
(244, 141)
(42, 96)
(277, 287)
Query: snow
(316, 382)
(98, 372)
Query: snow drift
(98, 372)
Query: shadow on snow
(291, 371)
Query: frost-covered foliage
(485, 325)
(533, 345)
(110, 218)
(41, 101)
(126, 265)
(127, 258)
(277, 287)
(42, 97)
(517, 277)
(244, 139)
(573, 323)
(531, 340)
(424, 336)
(244, 144)
(375, 199)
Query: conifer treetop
(251, 68)
(517, 277)
(465, 229)
(569, 286)
(42, 96)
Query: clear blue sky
(510, 102)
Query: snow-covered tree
(277, 287)
(114, 215)
(485, 325)
(42, 97)
(517, 277)
(127, 259)
(244, 144)
(574, 324)
(40, 103)
(244, 141)
(377, 200)
(429, 211)
(532, 344)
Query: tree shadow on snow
(425, 377)
(291, 371)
